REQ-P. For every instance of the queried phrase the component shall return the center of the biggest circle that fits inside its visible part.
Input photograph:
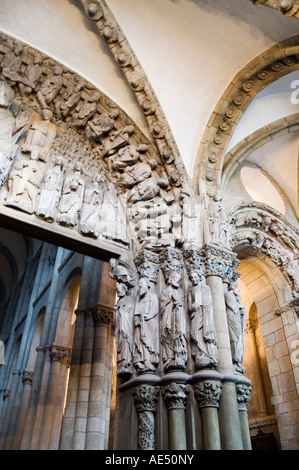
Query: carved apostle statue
(202, 328)
(236, 317)
(50, 191)
(124, 312)
(146, 350)
(173, 328)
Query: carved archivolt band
(266, 230)
(109, 29)
(278, 61)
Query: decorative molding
(121, 50)
(266, 230)
(276, 62)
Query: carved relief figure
(31, 76)
(7, 121)
(69, 99)
(124, 318)
(113, 224)
(101, 125)
(85, 110)
(50, 191)
(92, 200)
(40, 136)
(117, 139)
(146, 354)
(24, 182)
(173, 328)
(202, 332)
(236, 317)
(50, 87)
(218, 223)
(11, 64)
(124, 311)
(72, 196)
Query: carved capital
(146, 398)
(208, 393)
(175, 396)
(102, 315)
(27, 377)
(60, 354)
(243, 395)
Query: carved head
(194, 277)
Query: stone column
(208, 393)
(96, 404)
(243, 393)
(218, 264)
(60, 357)
(27, 378)
(146, 399)
(67, 433)
(175, 396)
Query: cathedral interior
(149, 237)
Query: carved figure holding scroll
(146, 354)
(202, 328)
(236, 317)
(173, 328)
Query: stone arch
(254, 141)
(78, 158)
(269, 290)
(266, 230)
(271, 65)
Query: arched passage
(268, 344)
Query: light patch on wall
(261, 188)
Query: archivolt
(266, 230)
(279, 60)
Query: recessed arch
(268, 340)
(276, 62)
